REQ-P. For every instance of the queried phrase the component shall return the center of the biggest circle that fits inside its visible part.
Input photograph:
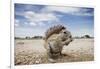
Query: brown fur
(56, 37)
(53, 30)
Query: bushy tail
(53, 30)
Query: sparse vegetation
(27, 37)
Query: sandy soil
(33, 51)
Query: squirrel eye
(65, 33)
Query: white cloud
(16, 23)
(29, 14)
(41, 24)
(46, 17)
(26, 23)
(38, 18)
(83, 14)
(68, 10)
(32, 24)
(47, 14)
(60, 9)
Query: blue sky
(31, 20)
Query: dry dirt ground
(33, 52)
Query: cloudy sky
(31, 20)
